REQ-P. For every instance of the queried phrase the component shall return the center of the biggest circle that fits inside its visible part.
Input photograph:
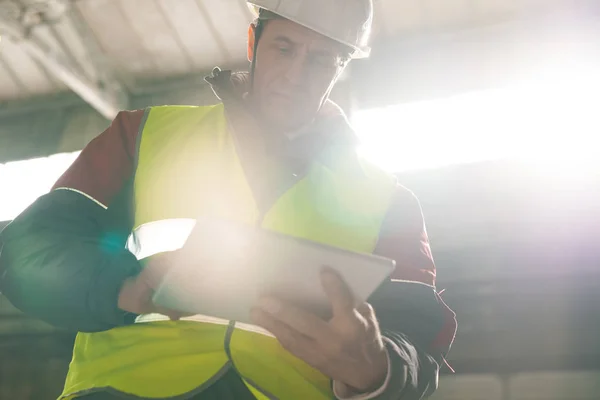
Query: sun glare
(551, 121)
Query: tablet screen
(224, 267)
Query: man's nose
(297, 70)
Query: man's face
(295, 71)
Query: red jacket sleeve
(106, 164)
(403, 238)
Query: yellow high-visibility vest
(188, 167)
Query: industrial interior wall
(31, 378)
(34, 356)
(45, 132)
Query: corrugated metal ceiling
(150, 38)
(145, 40)
(22, 76)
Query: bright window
(552, 120)
(24, 181)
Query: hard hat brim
(358, 53)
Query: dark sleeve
(419, 326)
(63, 259)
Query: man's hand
(136, 293)
(348, 348)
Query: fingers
(339, 294)
(301, 321)
(366, 310)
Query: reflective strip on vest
(146, 318)
(160, 237)
(188, 168)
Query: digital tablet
(224, 268)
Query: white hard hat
(346, 21)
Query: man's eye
(284, 50)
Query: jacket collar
(331, 122)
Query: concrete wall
(47, 131)
(556, 385)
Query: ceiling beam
(54, 101)
(53, 34)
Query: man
(275, 153)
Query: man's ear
(251, 39)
